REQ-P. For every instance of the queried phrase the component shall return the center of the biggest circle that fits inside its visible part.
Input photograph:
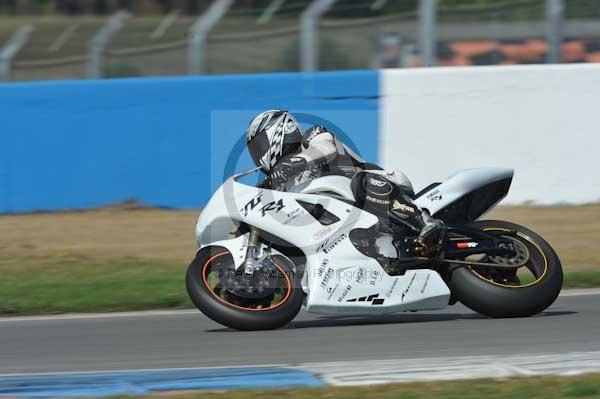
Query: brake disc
(520, 259)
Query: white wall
(543, 121)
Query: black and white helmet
(272, 135)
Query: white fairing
(338, 279)
(345, 281)
(338, 185)
(458, 184)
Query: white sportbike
(264, 253)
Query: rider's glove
(287, 168)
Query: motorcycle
(265, 253)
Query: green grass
(579, 279)
(79, 284)
(584, 386)
(583, 279)
(59, 285)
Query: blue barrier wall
(159, 141)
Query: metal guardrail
(309, 42)
(555, 10)
(419, 29)
(10, 50)
(427, 36)
(100, 41)
(199, 31)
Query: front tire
(204, 282)
(494, 293)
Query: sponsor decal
(426, 282)
(377, 182)
(251, 204)
(360, 275)
(403, 207)
(244, 242)
(412, 280)
(294, 214)
(334, 243)
(323, 245)
(322, 267)
(463, 245)
(435, 195)
(344, 293)
(323, 232)
(373, 299)
(243, 247)
(377, 200)
(332, 291)
(389, 292)
(326, 277)
(272, 206)
(374, 277)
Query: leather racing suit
(385, 193)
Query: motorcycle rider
(276, 144)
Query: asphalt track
(182, 339)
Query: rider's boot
(431, 231)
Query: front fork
(250, 264)
(256, 259)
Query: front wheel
(501, 292)
(270, 300)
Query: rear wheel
(501, 292)
(271, 299)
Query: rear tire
(499, 299)
(234, 315)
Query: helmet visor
(258, 147)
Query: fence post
(378, 4)
(554, 19)
(309, 42)
(268, 12)
(10, 50)
(165, 24)
(199, 32)
(100, 40)
(427, 31)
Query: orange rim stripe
(204, 278)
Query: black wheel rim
(531, 273)
(220, 278)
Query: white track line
(407, 370)
(581, 292)
(155, 313)
(453, 368)
(108, 315)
